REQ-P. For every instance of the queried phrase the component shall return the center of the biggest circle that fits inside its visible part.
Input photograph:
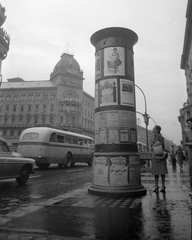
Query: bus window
(80, 141)
(53, 137)
(31, 137)
(68, 139)
(74, 140)
(60, 138)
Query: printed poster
(98, 65)
(101, 171)
(114, 61)
(134, 170)
(130, 63)
(118, 172)
(108, 92)
(96, 95)
(124, 135)
(127, 92)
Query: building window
(36, 120)
(12, 133)
(61, 119)
(37, 107)
(44, 107)
(38, 96)
(23, 97)
(30, 97)
(28, 120)
(73, 120)
(29, 108)
(52, 108)
(20, 119)
(4, 133)
(6, 120)
(13, 120)
(45, 96)
(22, 108)
(52, 96)
(51, 119)
(14, 108)
(43, 120)
(8, 97)
(7, 107)
(16, 97)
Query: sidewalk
(151, 217)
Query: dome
(68, 64)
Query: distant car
(13, 165)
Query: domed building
(59, 102)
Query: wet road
(75, 213)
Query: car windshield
(3, 147)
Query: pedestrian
(179, 155)
(188, 143)
(159, 164)
(172, 154)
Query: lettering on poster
(133, 136)
(98, 65)
(114, 61)
(130, 63)
(108, 92)
(118, 173)
(112, 119)
(96, 95)
(124, 135)
(127, 119)
(127, 92)
(102, 136)
(113, 136)
(134, 170)
(101, 171)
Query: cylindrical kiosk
(116, 162)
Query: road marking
(75, 170)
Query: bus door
(52, 148)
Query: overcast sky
(41, 30)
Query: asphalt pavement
(79, 215)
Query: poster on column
(127, 92)
(96, 95)
(98, 65)
(134, 170)
(114, 61)
(108, 92)
(101, 171)
(118, 172)
(130, 63)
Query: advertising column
(116, 163)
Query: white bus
(48, 145)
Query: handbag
(159, 152)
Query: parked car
(13, 165)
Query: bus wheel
(44, 166)
(69, 160)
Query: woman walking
(159, 164)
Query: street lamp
(145, 117)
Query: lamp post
(145, 117)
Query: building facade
(59, 102)
(186, 65)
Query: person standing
(179, 155)
(159, 166)
(188, 143)
(172, 154)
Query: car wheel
(24, 176)
(69, 160)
